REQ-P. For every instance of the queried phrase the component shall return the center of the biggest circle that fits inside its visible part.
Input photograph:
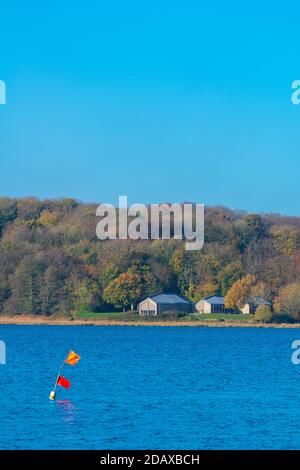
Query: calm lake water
(150, 387)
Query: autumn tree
(285, 239)
(123, 291)
(261, 289)
(289, 300)
(240, 292)
(48, 218)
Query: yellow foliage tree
(285, 239)
(177, 260)
(48, 218)
(240, 292)
(123, 291)
(289, 300)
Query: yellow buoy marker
(52, 395)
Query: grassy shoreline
(42, 320)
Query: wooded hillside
(52, 262)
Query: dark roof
(259, 301)
(217, 299)
(169, 299)
(214, 299)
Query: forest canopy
(52, 261)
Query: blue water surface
(150, 388)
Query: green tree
(84, 295)
(177, 260)
(263, 313)
(250, 229)
(26, 286)
(108, 274)
(197, 292)
(8, 212)
(49, 290)
(229, 275)
(148, 282)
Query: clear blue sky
(160, 100)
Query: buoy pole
(52, 395)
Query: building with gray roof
(212, 304)
(165, 303)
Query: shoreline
(27, 320)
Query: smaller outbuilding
(165, 303)
(253, 304)
(212, 304)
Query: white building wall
(246, 309)
(203, 306)
(148, 306)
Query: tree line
(52, 262)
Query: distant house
(212, 304)
(253, 304)
(216, 304)
(161, 303)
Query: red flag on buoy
(63, 382)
